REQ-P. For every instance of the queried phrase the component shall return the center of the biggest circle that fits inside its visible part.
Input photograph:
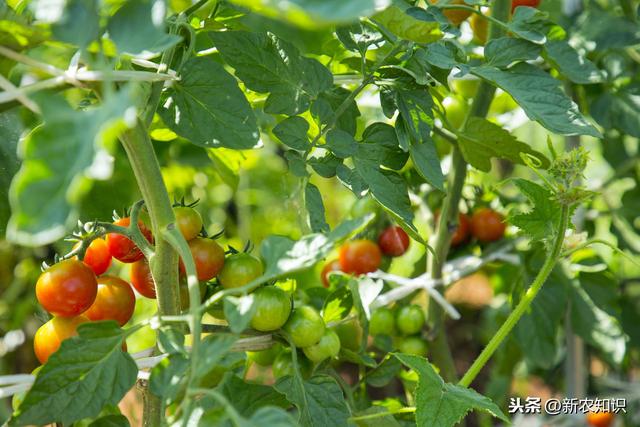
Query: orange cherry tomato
(115, 301)
(121, 247)
(487, 225)
(333, 265)
(49, 336)
(189, 221)
(393, 241)
(461, 232)
(208, 256)
(97, 256)
(142, 280)
(360, 257)
(600, 419)
(67, 289)
(455, 16)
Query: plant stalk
(440, 352)
(523, 305)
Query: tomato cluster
(485, 225)
(403, 324)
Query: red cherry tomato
(487, 225)
(360, 257)
(333, 265)
(530, 3)
(121, 247)
(49, 336)
(461, 232)
(97, 256)
(189, 221)
(600, 419)
(142, 280)
(67, 289)
(393, 241)
(115, 301)
(208, 256)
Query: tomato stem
(439, 348)
(523, 305)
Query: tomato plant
(468, 169)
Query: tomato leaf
(315, 209)
(481, 140)
(238, 311)
(10, 128)
(408, 27)
(380, 145)
(619, 110)
(541, 221)
(530, 24)
(382, 374)
(341, 143)
(504, 51)
(111, 421)
(570, 63)
(338, 305)
(249, 397)
(79, 24)
(168, 378)
(193, 108)
(319, 400)
(87, 372)
(292, 131)
(547, 105)
(440, 404)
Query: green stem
(439, 349)
(407, 410)
(523, 305)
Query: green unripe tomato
(350, 334)
(305, 326)
(466, 87)
(382, 322)
(413, 345)
(265, 357)
(240, 269)
(327, 347)
(364, 206)
(273, 306)
(410, 319)
(283, 365)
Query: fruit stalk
(440, 352)
(523, 305)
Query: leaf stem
(523, 305)
(407, 410)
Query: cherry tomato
(208, 256)
(480, 27)
(600, 419)
(273, 306)
(530, 3)
(305, 326)
(123, 249)
(97, 256)
(67, 289)
(413, 345)
(461, 232)
(350, 334)
(142, 280)
(188, 221)
(410, 319)
(327, 347)
(360, 257)
(283, 365)
(382, 322)
(240, 269)
(487, 225)
(49, 336)
(265, 357)
(115, 301)
(393, 241)
(333, 265)
(455, 16)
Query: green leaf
(482, 140)
(111, 421)
(324, 108)
(248, 398)
(425, 159)
(87, 372)
(268, 64)
(505, 51)
(407, 26)
(296, 163)
(325, 165)
(193, 108)
(341, 143)
(212, 350)
(168, 378)
(338, 305)
(272, 417)
(547, 104)
(596, 326)
(10, 129)
(227, 164)
(351, 179)
(17, 33)
(530, 24)
(378, 421)
(292, 131)
(619, 110)
(541, 221)
(138, 28)
(575, 67)
(415, 107)
(443, 54)
(238, 311)
(315, 209)
(382, 374)
(79, 24)
(59, 158)
(440, 404)
(380, 145)
(319, 400)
